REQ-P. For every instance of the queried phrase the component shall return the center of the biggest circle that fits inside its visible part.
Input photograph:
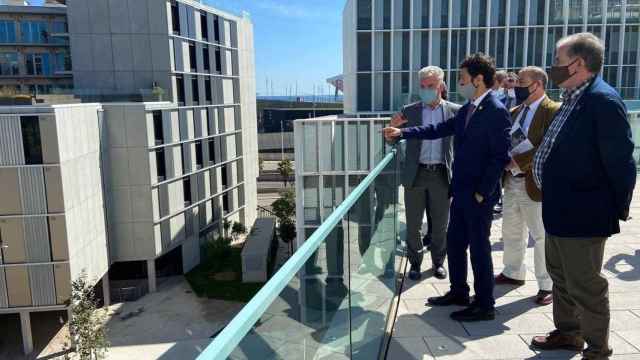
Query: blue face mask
(467, 91)
(428, 95)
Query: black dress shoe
(414, 273)
(449, 299)
(474, 313)
(439, 272)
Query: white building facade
(52, 219)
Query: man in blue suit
(585, 169)
(481, 144)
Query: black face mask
(522, 93)
(560, 74)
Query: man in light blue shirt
(426, 174)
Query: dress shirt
(431, 150)
(532, 112)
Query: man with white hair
(427, 172)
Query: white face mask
(511, 93)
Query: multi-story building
(176, 170)
(386, 42)
(52, 220)
(34, 48)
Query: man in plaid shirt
(585, 169)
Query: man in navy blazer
(481, 144)
(585, 169)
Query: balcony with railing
(343, 294)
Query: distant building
(281, 119)
(176, 170)
(387, 42)
(52, 218)
(131, 182)
(34, 49)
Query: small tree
(285, 210)
(285, 207)
(287, 232)
(238, 229)
(86, 325)
(285, 168)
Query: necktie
(470, 111)
(525, 112)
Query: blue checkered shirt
(570, 98)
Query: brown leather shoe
(556, 340)
(544, 297)
(502, 279)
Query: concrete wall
(79, 146)
(249, 118)
(128, 181)
(349, 59)
(119, 46)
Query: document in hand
(519, 144)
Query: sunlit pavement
(423, 332)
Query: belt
(433, 167)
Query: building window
(195, 91)
(7, 31)
(364, 51)
(199, 158)
(158, 133)
(161, 167)
(204, 26)
(223, 176)
(31, 139)
(9, 63)
(364, 14)
(180, 89)
(38, 64)
(175, 18)
(218, 61)
(207, 91)
(225, 203)
(186, 190)
(34, 32)
(205, 59)
(62, 61)
(212, 151)
(192, 57)
(216, 29)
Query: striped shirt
(570, 98)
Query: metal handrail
(235, 331)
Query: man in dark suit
(480, 131)
(426, 172)
(586, 171)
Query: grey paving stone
(473, 348)
(631, 336)
(409, 349)
(419, 326)
(507, 324)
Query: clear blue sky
(295, 41)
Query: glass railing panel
(331, 300)
(372, 236)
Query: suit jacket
(413, 113)
(589, 176)
(480, 150)
(539, 124)
(515, 102)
